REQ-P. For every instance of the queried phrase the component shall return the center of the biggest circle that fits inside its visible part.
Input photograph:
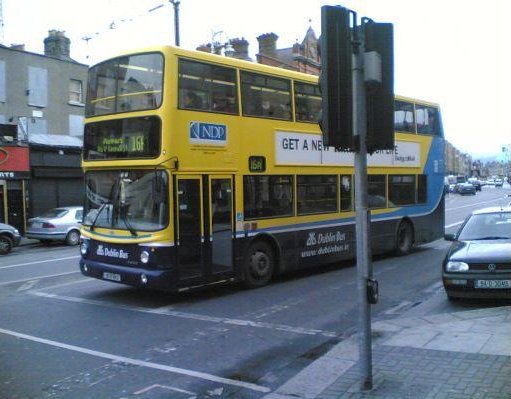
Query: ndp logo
(4, 155)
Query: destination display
(132, 138)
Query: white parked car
(59, 224)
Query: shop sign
(13, 160)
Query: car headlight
(456, 267)
(16, 232)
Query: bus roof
(242, 64)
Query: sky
(452, 52)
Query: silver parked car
(9, 238)
(59, 224)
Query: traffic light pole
(364, 265)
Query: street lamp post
(176, 3)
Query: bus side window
(307, 102)
(265, 96)
(207, 87)
(427, 119)
(404, 117)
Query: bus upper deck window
(427, 119)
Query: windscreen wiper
(103, 205)
(125, 219)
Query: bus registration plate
(112, 276)
(492, 284)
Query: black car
(478, 263)
(465, 188)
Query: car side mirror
(450, 237)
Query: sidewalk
(452, 355)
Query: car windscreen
(487, 226)
(54, 213)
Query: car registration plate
(111, 276)
(492, 284)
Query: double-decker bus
(201, 169)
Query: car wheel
(259, 264)
(73, 237)
(404, 238)
(5, 245)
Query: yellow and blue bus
(202, 169)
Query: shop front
(14, 176)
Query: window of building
(404, 117)
(206, 87)
(427, 119)
(307, 102)
(346, 190)
(76, 125)
(265, 96)
(401, 190)
(316, 194)
(267, 196)
(376, 189)
(75, 91)
(3, 94)
(37, 89)
(422, 189)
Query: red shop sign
(14, 159)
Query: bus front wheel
(259, 264)
(404, 238)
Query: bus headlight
(144, 257)
(456, 267)
(84, 247)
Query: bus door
(221, 224)
(189, 231)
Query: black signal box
(336, 83)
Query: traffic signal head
(336, 83)
(379, 38)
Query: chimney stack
(240, 48)
(57, 45)
(268, 45)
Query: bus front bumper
(159, 279)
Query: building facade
(41, 114)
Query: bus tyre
(404, 238)
(73, 237)
(259, 264)
(5, 245)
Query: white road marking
(150, 388)
(36, 277)
(137, 362)
(164, 311)
(39, 261)
(27, 286)
(85, 280)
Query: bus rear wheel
(259, 264)
(404, 238)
